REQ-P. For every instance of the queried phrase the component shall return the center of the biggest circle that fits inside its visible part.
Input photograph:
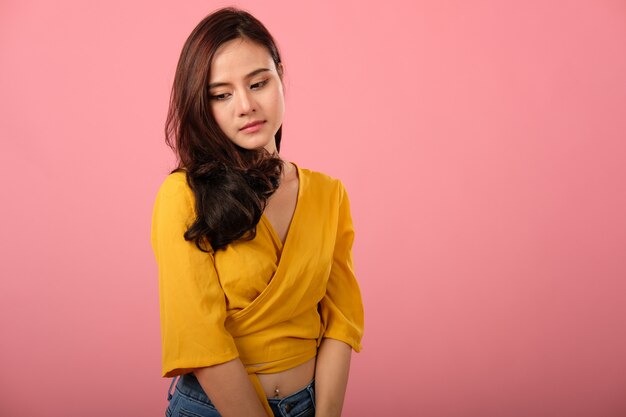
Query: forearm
(331, 377)
(230, 390)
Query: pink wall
(482, 144)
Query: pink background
(483, 147)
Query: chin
(256, 143)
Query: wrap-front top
(267, 303)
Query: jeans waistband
(305, 392)
(189, 385)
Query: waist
(285, 376)
(282, 384)
(294, 404)
(189, 385)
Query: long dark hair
(231, 184)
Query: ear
(280, 70)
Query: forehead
(238, 57)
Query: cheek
(219, 114)
(278, 102)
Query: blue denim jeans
(190, 400)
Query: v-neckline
(269, 225)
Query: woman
(260, 309)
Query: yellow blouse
(268, 304)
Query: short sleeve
(342, 307)
(191, 299)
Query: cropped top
(267, 303)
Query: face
(246, 92)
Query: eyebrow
(250, 75)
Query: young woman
(260, 308)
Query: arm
(230, 389)
(331, 377)
(193, 308)
(341, 311)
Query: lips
(251, 124)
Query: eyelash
(255, 86)
(260, 84)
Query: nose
(245, 103)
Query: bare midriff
(285, 383)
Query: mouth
(252, 125)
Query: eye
(258, 85)
(220, 97)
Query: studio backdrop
(482, 144)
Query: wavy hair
(231, 184)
